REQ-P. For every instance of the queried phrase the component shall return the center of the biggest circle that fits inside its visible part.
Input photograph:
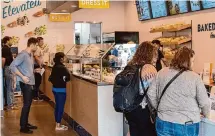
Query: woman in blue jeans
(184, 99)
(59, 76)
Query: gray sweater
(184, 98)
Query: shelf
(162, 29)
(170, 43)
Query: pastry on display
(174, 40)
(170, 27)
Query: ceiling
(62, 6)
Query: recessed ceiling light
(64, 10)
(73, 6)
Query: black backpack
(126, 95)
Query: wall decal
(22, 21)
(38, 14)
(2, 29)
(12, 24)
(10, 10)
(30, 34)
(41, 30)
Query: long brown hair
(145, 54)
(182, 59)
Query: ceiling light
(64, 10)
(73, 6)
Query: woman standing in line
(59, 77)
(139, 119)
(179, 108)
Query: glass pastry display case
(102, 62)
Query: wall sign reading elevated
(94, 3)
(10, 10)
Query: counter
(89, 106)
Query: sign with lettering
(10, 10)
(207, 27)
(60, 17)
(94, 3)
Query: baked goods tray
(187, 26)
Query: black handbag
(155, 111)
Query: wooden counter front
(89, 105)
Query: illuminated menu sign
(195, 5)
(177, 7)
(208, 4)
(159, 8)
(143, 10)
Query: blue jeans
(165, 128)
(60, 99)
(8, 86)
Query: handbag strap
(168, 84)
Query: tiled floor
(41, 114)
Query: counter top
(88, 79)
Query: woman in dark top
(7, 58)
(160, 55)
(59, 76)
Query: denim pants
(165, 128)
(8, 86)
(27, 91)
(60, 99)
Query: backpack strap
(168, 84)
(141, 81)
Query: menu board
(177, 7)
(143, 9)
(159, 8)
(195, 5)
(208, 4)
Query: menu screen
(144, 10)
(177, 7)
(195, 5)
(159, 8)
(208, 4)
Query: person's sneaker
(35, 99)
(29, 126)
(40, 99)
(26, 131)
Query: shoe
(29, 126)
(35, 99)
(40, 99)
(62, 127)
(26, 131)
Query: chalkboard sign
(159, 8)
(208, 4)
(195, 5)
(177, 7)
(143, 9)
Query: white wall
(202, 44)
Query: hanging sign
(60, 17)
(94, 4)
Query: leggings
(60, 99)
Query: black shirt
(59, 76)
(7, 54)
(158, 63)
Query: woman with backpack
(179, 94)
(59, 76)
(139, 118)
